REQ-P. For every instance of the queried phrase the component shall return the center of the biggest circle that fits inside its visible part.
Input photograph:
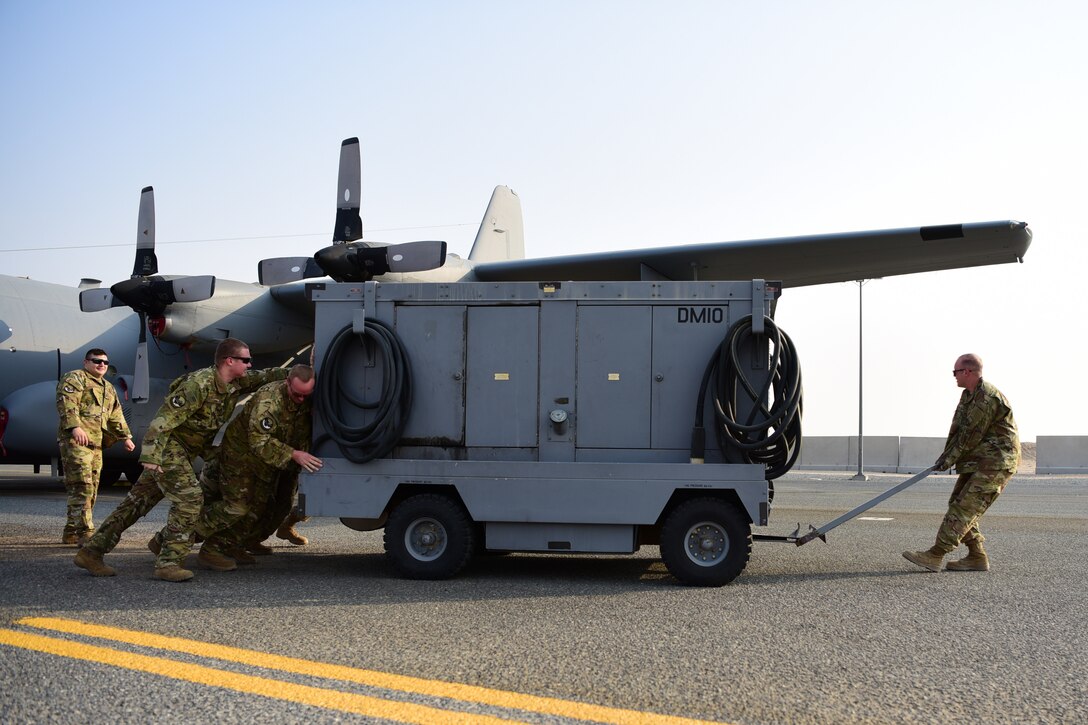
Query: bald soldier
(90, 420)
(265, 444)
(984, 447)
(196, 406)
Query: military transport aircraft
(46, 328)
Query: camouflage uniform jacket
(196, 406)
(90, 403)
(269, 429)
(983, 434)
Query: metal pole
(860, 476)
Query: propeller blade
(415, 256)
(349, 225)
(281, 270)
(140, 382)
(361, 262)
(193, 289)
(146, 263)
(95, 300)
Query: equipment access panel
(522, 371)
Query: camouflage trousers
(272, 500)
(178, 484)
(232, 496)
(972, 495)
(82, 469)
(141, 498)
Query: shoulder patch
(68, 388)
(266, 423)
(178, 401)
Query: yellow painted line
(371, 678)
(276, 689)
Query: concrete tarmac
(843, 632)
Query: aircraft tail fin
(501, 236)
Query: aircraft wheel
(428, 536)
(706, 542)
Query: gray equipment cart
(540, 417)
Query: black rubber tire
(429, 536)
(706, 542)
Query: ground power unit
(574, 417)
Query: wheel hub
(707, 543)
(425, 539)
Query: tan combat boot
(214, 560)
(287, 532)
(929, 559)
(173, 573)
(242, 556)
(91, 560)
(71, 538)
(976, 559)
(256, 547)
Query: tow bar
(821, 533)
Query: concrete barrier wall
(881, 453)
(891, 454)
(840, 453)
(918, 454)
(1057, 454)
(825, 453)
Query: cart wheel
(706, 542)
(428, 537)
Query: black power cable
(335, 400)
(768, 435)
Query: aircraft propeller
(146, 292)
(348, 260)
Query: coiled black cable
(333, 395)
(768, 435)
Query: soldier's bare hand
(306, 461)
(129, 445)
(80, 436)
(152, 467)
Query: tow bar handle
(821, 533)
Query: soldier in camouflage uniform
(984, 447)
(196, 406)
(266, 443)
(91, 420)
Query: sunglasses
(246, 360)
(98, 360)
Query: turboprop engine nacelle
(239, 310)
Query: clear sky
(619, 124)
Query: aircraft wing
(796, 261)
